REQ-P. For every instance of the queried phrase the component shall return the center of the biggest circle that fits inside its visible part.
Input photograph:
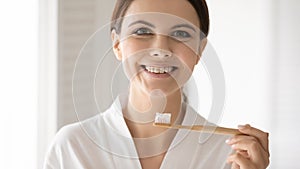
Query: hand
(251, 149)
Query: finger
(235, 166)
(244, 153)
(255, 151)
(240, 161)
(252, 147)
(238, 138)
(262, 136)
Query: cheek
(131, 54)
(131, 46)
(187, 57)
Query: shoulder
(76, 131)
(66, 140)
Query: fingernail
(241, 126)
(227, 141)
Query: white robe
(104, 142)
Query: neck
(142, 106)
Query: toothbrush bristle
(162, 118)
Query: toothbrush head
(162, 118)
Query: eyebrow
(141, 22)
(151, 25)
(184, 25)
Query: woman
(159, 42)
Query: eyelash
(145, 33)
(185, 34)
(178, 34)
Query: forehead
(180, 10)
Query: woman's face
(159, 44)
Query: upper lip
(160, 65)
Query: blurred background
(258, 44)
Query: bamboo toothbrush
(164, 120)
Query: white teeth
(159, 69)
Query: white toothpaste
(164, 118)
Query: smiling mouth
(159, 70)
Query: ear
(116, 44)
(201, 49)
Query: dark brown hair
(121, 7)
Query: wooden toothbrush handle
(205, 129)
(215, 129)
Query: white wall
(241, 33)
(47, 89)
(258, 44)
(287, 86)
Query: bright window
(18, 83)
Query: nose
(160, 47)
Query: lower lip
(157, 75)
